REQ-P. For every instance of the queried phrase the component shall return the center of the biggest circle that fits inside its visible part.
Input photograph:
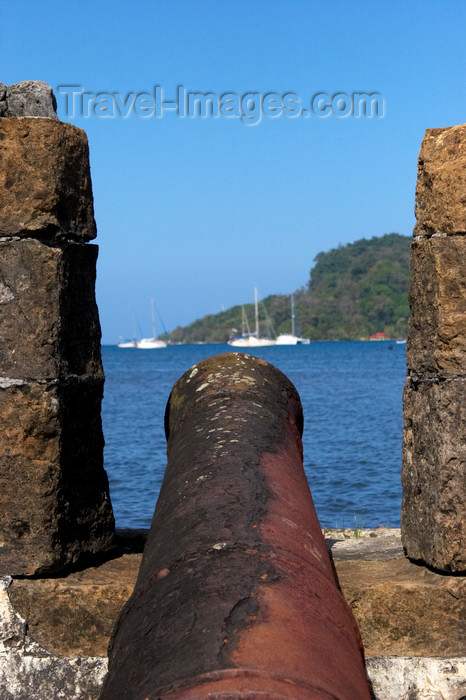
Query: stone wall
(434, 402)
(54, 632)
(54, 498)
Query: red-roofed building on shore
(379, 336)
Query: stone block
(30, 672)
(402, 609)
(45, 182)
(441, 185)
(54, 498)
(30, 98)
(3, 102)
(48, 313)
(54, 631)
(433, 473)
(437, 328)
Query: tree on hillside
(353, 291)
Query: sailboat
(292, 338)
(128, 344)
(133, 343)
(251, 340)
(151, 343)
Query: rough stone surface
(48, 313)
(30, 672)
(437, 327)
(30, 98)
(45, 183)
(54, 498)
(74, 615)
(403, 609)
(3, 104)
(441, 184)
(407, 678)
(381, 544)
(434, 474)
(434, 400)
(411, 621)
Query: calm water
(351, 395)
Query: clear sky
(196, 211)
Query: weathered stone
(433, 473)
(29, 672)
(437, 327)
(441, 184)
(380, 544)
(74, 615)
(48, 313)
(411, 619)
(30, 98)
(3, 104)
(418, 678)
(403, 609)
(45, 183)
(54, 498)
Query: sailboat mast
(292, 316)
(153, 316)
(256, 309)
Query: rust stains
(236, 596)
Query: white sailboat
(292, 338)
(133, 343)
(251, 340)
(151, 343)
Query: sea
(352, 400)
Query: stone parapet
(54, 632)
(54, 496)
(45, 181)
(48, 313)
(55, 507)
(441, 182)
(436, 344)
(433, 477)
(434, 403)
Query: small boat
(151, 343)
(401, 342)
(251, 340)
(133, 343)
(292, 338)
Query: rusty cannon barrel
(236, 595)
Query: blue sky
(195, 212)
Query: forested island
(354, 291)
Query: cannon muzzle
(236, 596)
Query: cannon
(236, 595)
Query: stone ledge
(421, 678)
(54, 632)
(30, 672)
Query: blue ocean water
(351, 395)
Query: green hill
(354, 290)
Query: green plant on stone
(358, 525)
